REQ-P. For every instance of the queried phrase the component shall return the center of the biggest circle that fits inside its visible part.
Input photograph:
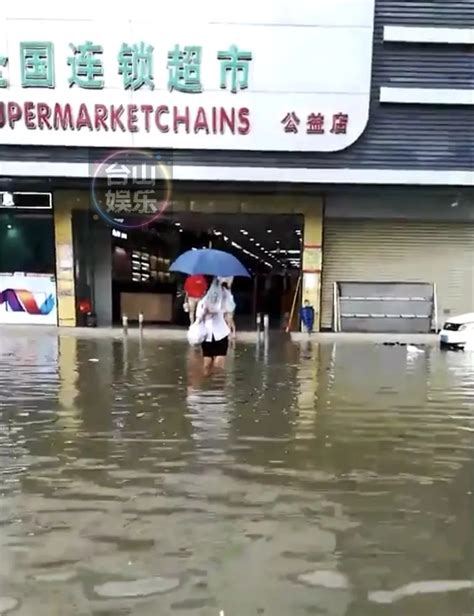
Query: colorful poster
(28, 299)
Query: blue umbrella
(209, 262)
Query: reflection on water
(305, 479)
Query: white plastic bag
(197, 333)
(228, 303)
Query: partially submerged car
(458, 332)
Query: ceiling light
(251, 239)
(269, 231)
(226, 238)
(177, 224)
(7, 199)
(244, 232)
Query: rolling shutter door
(395, 251)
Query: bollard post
(140, 322)
(266, 338)
(266, 324)
(259, 322)
(125, 324)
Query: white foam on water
(418, 588)
(326, 579)
(7, 604)
(136, 588)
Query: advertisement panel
(267, 75)
(28, 299)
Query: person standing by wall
(307, 316)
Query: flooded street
(307, 479)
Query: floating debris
(414, 350)
(418, 588)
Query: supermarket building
(330, 147)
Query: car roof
(462, 318)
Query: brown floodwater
(306, 479)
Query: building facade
(367, 130)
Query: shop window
(26, 244)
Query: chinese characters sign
(205, 85)
(315, 124)
(135, 65)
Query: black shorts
(216, 348)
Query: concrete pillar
(312, 258)
(63, 203)
(102, 272)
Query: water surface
(305, 480)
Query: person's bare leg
(192, 312)
(219, 362)
(229, 318)
(207, 365)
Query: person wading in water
(211, 312)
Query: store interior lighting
(279, 251)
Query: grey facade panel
(406, 205)
(397, 136)
(442, 13)
(424, 66)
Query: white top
(213, 321)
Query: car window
(452, 327)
